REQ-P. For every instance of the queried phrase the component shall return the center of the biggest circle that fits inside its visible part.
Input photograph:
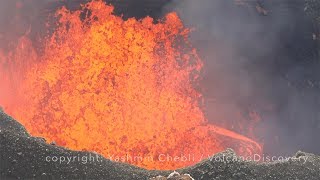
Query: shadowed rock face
(21, 17)
(125, 8)
(25, 157)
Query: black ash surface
(25, 157)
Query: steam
(259, 56)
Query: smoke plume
(259, 56)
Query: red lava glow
(117, 87)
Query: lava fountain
(117, 87)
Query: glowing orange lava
(117, 87)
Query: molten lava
(117, 87)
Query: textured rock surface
(174, 176)
(25, 157)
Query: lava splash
(117, 87)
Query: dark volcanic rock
(25, 157)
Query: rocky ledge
(25, 157)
